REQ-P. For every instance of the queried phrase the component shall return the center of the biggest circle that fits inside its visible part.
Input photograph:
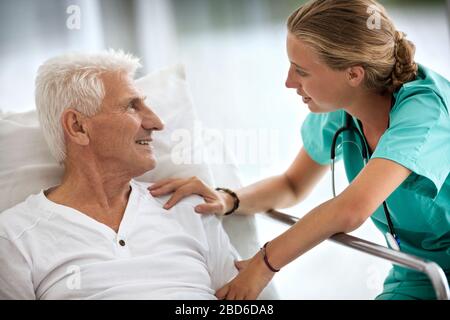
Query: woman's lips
(305, 98)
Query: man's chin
(149, 164)
(143, 166)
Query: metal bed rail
(431, 269)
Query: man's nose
(151, 121)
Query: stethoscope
(391, 236)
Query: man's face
(120, 134)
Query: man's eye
(132, 106)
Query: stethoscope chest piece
(393, 243)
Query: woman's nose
(290, 82)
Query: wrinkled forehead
(118, 86)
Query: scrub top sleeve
(318, 131)
(418, 139)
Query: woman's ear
(355, 75)
(74, 126)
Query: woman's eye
(301, 73)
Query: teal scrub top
(418, 138)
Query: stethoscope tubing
(364, 153)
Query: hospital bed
(26, 167)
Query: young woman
(369, 99)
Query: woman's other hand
(253, 277)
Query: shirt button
(122, 242)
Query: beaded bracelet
(266, 260)
(235, 197)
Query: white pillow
(26, 165)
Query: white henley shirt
(51, 251)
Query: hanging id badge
(392, 242)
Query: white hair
(73, 81)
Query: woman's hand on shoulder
(215, 202)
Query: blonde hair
(341, 33)
(73, 81)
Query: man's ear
(75, 127)
(355, 75)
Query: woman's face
(322, 89)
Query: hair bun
(405, 69)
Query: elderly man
(100, 234)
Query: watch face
(392, 242)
